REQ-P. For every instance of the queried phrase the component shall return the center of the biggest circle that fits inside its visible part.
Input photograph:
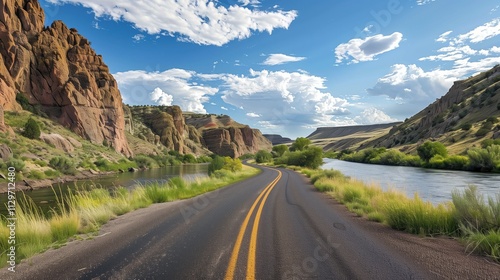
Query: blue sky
(287, 67)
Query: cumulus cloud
(285, 99)
(373, 115)
(161, 98)
(199, 21)
(367, 49)
(142, 87)
(278, 58)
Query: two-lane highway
(272, 226)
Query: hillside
(348, 137)
(460, 119)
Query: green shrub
(143, 161)
(188, 158)
(280, 149)
(16, 163)
(232, 165)
(430, 149)
(484, 159)
(35, 174)
(300, 144)
(216, 164)
(482, 132)
(466, 126)
(474, 213)
(456, 162)
(263, 156)
(63, 164)
(32, 129)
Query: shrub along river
(431, 184)
(45, 197)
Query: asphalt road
(272, 226)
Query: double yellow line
(253, 238)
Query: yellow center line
(234, 255)
(253, 239)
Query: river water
(45, 198)
(431, 184)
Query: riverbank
(468, 216)
(29, 184)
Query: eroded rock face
(235, 141)
(56, 68)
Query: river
(431, 184)
(45, 197)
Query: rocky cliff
(193, 133)
(56, 69)
(224, 136)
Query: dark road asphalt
(272, 226)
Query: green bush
(300, 144)
(466, 126)
(280, 149)
(32, 129)
(430, 149)
(35, 174)
(63, 164)
(485, 160)
(216, 164)
(482, 132)
(232, 165)
(188, 158)
(143, 161)
(263, 156)
(16, 163)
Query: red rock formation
(56, 68)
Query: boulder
(57, 141)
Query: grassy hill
(461, 119)
(348, 137)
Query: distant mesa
(277, 139)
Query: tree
(216, 164)
(300, 144)
(280, 149)
(263, 156)
(430, 149)
(32, 129)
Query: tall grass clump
(421, 217)
(479, 221)
(33, 233)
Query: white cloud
(138, 37)
(161, 98)
(444, 37)
(373, 115)
(366, 49)
(200, 21)
(173, 84)
(253, 115)
(284, 99)
(424, 2)
(278, 58)
(224, 108)
(481, 33)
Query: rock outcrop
(223, 136)
(56, 69)
(192, 133)
(58, 141)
